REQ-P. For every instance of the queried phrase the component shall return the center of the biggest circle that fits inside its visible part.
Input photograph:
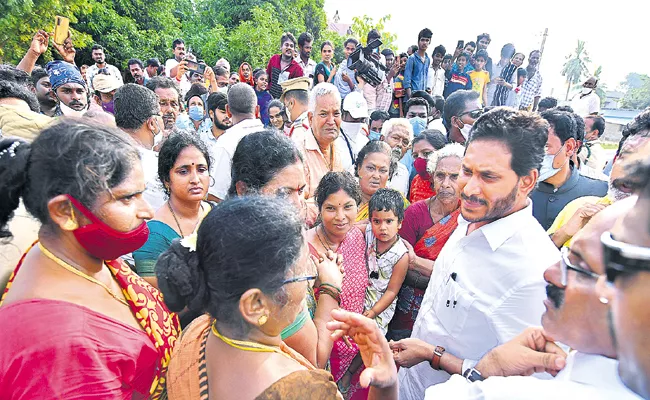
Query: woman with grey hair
(427, 226)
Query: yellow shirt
(570, 209)
(479, 80)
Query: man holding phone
(99, 57)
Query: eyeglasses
(474, 114)
(566, 265)
(304, 278)
(623, 258)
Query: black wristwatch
(472, 375)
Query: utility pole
(541, 49)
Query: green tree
(576, 66)
(362, 25)
(255, 41)
(637, 96)
(20, 19)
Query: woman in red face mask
(75, 321)
(424, 145)
(427, 226)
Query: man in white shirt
(587, 101)
(398, 133)
(575, 317)
(308, 65)
(172, 65)
(99, 57)
(137, 113)
(243, 111)
(436, 77)
(487, 285)
(354, 130)
(592, 153)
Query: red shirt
(277, 75)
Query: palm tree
(575, 66)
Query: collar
(498, 232)
(246, 124)
(302, 119)
(570, 183)
(592, 370)
(310, 142)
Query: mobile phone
(193, 66)
(61, 27)
(461, 44)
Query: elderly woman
(251, 279)
(75, 321)
(424, 146)
(195, 119)
(184, 170)
(398, 133)
(427, 226)
(337, 197)
(320, 149)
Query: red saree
(116, 362)
(420, 190)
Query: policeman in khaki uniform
(295, 96)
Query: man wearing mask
(354, 129)
(462, 108)
(377, 119)
(69, 90)
(99, 57)
(587, 101)
(137, 112)
(560, 182)
(105, 87)
(169, 98)
(295, 96)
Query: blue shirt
(415, 73)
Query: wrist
(33, 53)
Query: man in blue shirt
(417, 66)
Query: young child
(480, 77)
(388, 260)
(458, 78)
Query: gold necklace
(176, 219)
(248, 346)
(75, 271)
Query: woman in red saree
(75, 321)
(338, 196)
(427, 226)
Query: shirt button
(551, 199)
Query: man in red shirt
(282, 66)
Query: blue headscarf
(61, 72)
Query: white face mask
(465, 130)
(586, 91)
(352, 129)
(71, 112)
(287, 111)
(223, 90)
(546, 170)
(157, 137)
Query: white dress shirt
(400, 180)
(586, 376)
(436, 81)
(223, 152)
(350, 141)
(486, 288)
(586, 105)
(153, 192)
(439, 125)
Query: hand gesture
(412, 254)
(369, 314)
(380, 369)
(66, 50)
(531, 351)
(395, 68)
(409, 352)
(457, 52)
(39, 42)
(581, 217)
(181, 69)
(345, 77)
(330, 268)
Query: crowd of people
(296, 231)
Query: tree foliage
(637, 95)
(362, 25)
(576, 66)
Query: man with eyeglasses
(283, 66)
(560, 182)
(487, 285)
(575, 317)
(462, 109)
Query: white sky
(615, 32)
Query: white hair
(320, 90)
(450, 150)
(389, 125)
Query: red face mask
(420, 165)
(104, 242)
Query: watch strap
(437, 356)
(473, 375)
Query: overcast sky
(615, 33)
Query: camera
(363, 61)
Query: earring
(262, 320)
(603, 300)
(71, 224)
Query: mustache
(473, 199)
(75, 103)
(555, 294)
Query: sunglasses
(474, 114)
(566, 265)
(623, 258)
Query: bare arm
(304, 341)
(417, 263)
(36, 48)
